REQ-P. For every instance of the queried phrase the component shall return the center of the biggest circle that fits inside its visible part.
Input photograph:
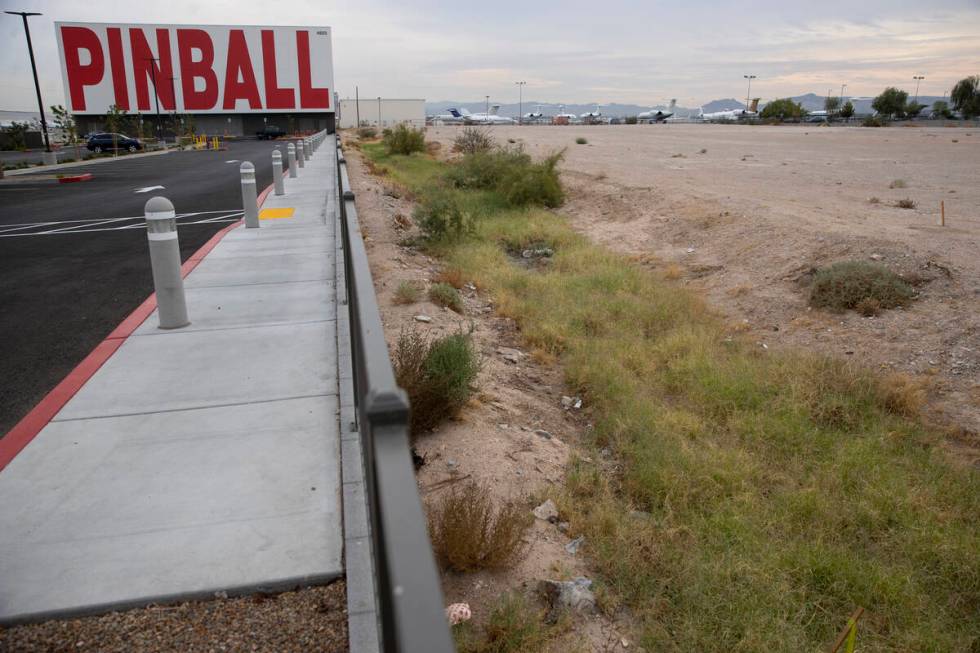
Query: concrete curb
(77, 164)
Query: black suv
(105, 141)
(270, 132)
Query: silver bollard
(291, 153)
(307, 150)
(300, 157)
(161, 234)
(249, 195)
(277, 172)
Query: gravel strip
(311, 619)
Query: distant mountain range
(810, 102)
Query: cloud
(574, 51)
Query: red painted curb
(31, 424)
(73, 178)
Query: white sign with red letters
(196, 68)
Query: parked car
(105, 141)
(270, 132)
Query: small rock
(573, 546)
(544, 434)
(451, 464)
(573, 595)
(625, 642)
(423, 318)
(876, 257)
(547, 511)
(690, 250)
(639, 514)
(571, 402)
(563, 526)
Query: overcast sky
(570, 51)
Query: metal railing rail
(411, 609)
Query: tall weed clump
(440, 216)
(472, 140)
(404, 140)
(437, 375)
(511, 172)
(859, 285)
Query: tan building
(381, 112)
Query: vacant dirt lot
(747, 213)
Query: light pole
(748, 92)
(379, 111)
(37, 85)
(917, 78)
(520, 102)
(488, 106)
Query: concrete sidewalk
(203, 459)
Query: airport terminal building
(218, 80)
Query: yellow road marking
(274, 214)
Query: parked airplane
(452, 118)
(732, 114)
(534, 116)
(592, 117)
(488, 118)
(659, 115)
(562, 118)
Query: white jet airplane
(488, 118)
(659, 115)
(592, 117)
(731, 114)
(451, 118)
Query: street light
(488, 105)
(917, 78)
(840, 106)
(520, 102)
(37, 85)
(748, 92)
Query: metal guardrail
(411, 608)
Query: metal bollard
(161, 234)
(277, 172)
(291, 153)
(307, 148)
(249, 196)
(300, 158)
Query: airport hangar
(226, 80)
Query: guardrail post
(291, 153)
(161, 234)
(300, 157)
(277, 172)
(250, 201)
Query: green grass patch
(443, 294)
(408, 292)
(515, 625)
(859, 285)
(778, 490)
(404, 140)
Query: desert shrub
(868, 307)
(906, 203)
(514, 626)
(445, 295)
(845, 285)
(873, 121)
(897, 183)
(404, 140)
(436, 375)
(512, 173)
(472, 140)
(470, 531)
(451, 275)
(874, 200)
(366, 133)
(408, 292)
(581, 140)
(630, 120)
(440, 217)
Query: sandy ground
(496, 440)
(746, 213)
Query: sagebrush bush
(907, 203)
(846, 285)
(581, 140)
(445, 295)
(404, 140)
(513, 174)
(365, 133)
(472, 140)
(436, 375)
(440, 217)
(471, 531)
(451, 275)
(408, 292)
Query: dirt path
(747, 213)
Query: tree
(891, 102)
(966, 96)
(913, 109)
(115, 121)
(940, 109)
(847, 111)
(831, 104)
(14, 136)
(783, 109)
(66, 123)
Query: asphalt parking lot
(74, 259)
